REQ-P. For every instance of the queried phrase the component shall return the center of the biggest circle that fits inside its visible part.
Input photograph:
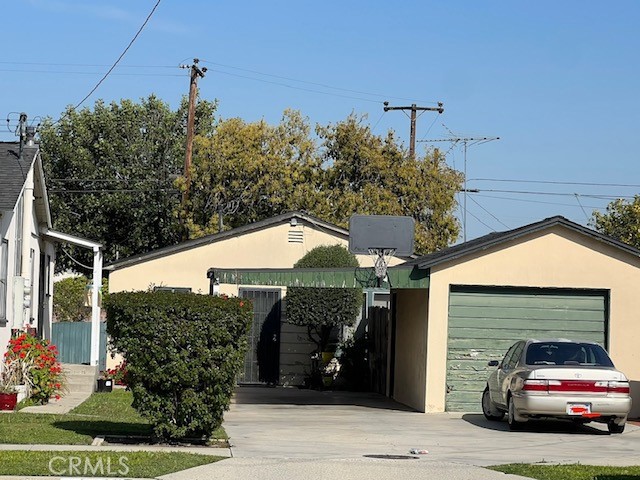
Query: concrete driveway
(303, 424)
(280, 433)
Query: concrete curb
(214, 451)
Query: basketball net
(381, 257)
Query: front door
(262, 360)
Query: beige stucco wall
(557, 257)
(266, 248)
(411, 348)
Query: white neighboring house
(27, 254)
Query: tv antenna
(466, 142)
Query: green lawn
(99, 464)
(102, 414)
(570, 472)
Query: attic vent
(296, 236)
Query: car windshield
(567, 353)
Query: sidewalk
(64, 405)
(220, 452)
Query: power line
(360, 92)
(46, 64)
(490, 228)
(552, 182)
(558, 194)
(121, 55)
(491, 214)
(523, 200)
(60, 72)
(580, 203)
(295, 88)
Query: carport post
(95, 310)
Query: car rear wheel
(511, 416)
(489, 408)
(615, 427)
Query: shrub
(68, 300)
(183, 352)
(328, 256)
(322, 309)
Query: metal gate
(262, 361)
(73, 340)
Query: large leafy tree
(620, 221)
(245, 172)
(251, 171)
(369, 174)
(111, 174)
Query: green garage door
(485, 321)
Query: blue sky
(556, 81)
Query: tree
(323, 309)
(251, 171)
(247, 172)
(369, 174)
(110, 173)
(621, 221)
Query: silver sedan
(557, 378)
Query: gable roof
(497, 238)
(13, 172)
(235, 232)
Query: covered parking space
(454, 310)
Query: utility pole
(196, 72)
(414, 109)
(466, 141)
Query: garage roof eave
(497, 238)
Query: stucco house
(454, 310)
(26, 254)
(275, 243)
(553, 278)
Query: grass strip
(570, 471)
(99, 464)
(101, 414)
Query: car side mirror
(493, 363)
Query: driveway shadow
(535, 426)
(259, 395)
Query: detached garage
(485, 321)
(553, 278)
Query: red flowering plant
(39, 361)
(118, 374)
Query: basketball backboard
(369, 233)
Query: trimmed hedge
(183, 354)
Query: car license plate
(578, 408)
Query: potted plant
(330, 372)
(36, 366)
(9, 379)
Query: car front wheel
(511, 416)
(489, 408)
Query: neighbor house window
(4, 264)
